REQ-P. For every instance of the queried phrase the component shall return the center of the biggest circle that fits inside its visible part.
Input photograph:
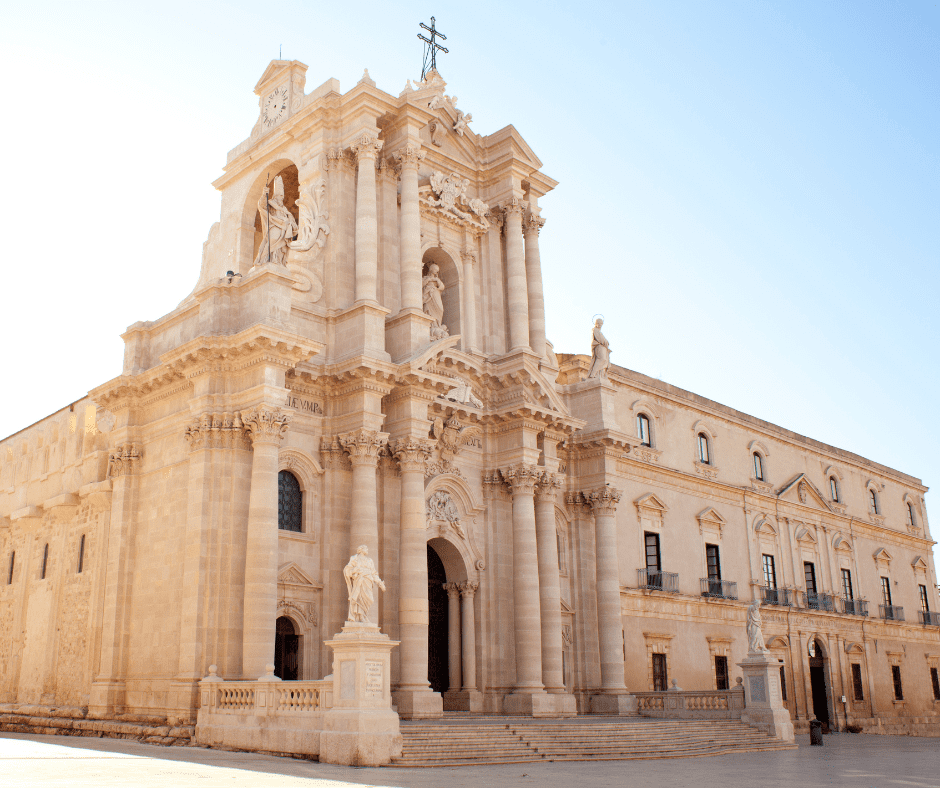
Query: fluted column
(469, 639)
(469, 329)
(413, 566)
(266, 427)
(410, 156)
(549, 582)
(366, 149)
(453, 635)
(533, 274)
(522, 479)
(609, 619)
(517, 293)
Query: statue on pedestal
(361, 578)
(755, 637)
(600, 352)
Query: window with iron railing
(847, 584)
(886, 591)
(855, 607)
(652, 551)
(924, 604)
(892, 612)
(782, 597)
(289, 502)
(770, 574)
(657, 580)
(809, 573)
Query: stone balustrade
(692, 705)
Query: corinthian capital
(265, 425)
(123, 461)
(468, 589)
(604, 500)
(549, 485)
(363, 446)
(410, 155)
(532, 223)
(522, 478)
(367, 146)
(412, 454)
(513, 206)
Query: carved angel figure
(313, 218)
(361, 578)
(460, 125)
(755, 637)
(277, 226)
(600, 352)
(449, 189)
(451, 437)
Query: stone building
(363, 361)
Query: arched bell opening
(449, 274)
(287, 644)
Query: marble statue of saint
(600, 352)
(755, 637)
(432, 287)
(277, 225)
(361, 578)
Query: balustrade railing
(782, 597)
(253, 697)
(720, 589)
(891, 612)
(855, 607)
(235, 697)
(658, 580)
(685, 704)
(929, 618)
(818, 601)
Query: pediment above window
(801, 490)
(292, 574)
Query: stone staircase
(455, 742)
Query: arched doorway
(817, 677)
(437, 623)
(286, 650)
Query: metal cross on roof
(430, 48)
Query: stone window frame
(758, 448)
(644, 407)
(873, 502)
(656, 643)
(719, 646)
(933, 663)
(896, 660)
(702, 428)
(914, 515)
(309, 475)
(768, 534)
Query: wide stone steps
(519, 740)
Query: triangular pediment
(882, 555)
(709, 515)
(802, 491)
(276, 69)
(919, 563)
(566, 608)
(292, 574)
(650, 501)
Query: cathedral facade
(363, 362)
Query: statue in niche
(361, 578)
(755, 637)
(432, 287)
(277, 224)
(600, 352)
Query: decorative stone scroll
(217, 431)
(409, 156)
(441, 509)
(450, 191)
(452, 437)
(265, 425)
(123, 461)
(313, 218)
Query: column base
(531, 704)
(107, 698)
(464, 700)
(418, 705)
(623, 705)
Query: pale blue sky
(750, 191)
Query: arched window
(758, 467)
(872, 501)
(643, 429)
(910, 515)
(703, 448)
(834, 488)
(289, 502)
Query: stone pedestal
(763, 703)
(361, 729)
(621, 705)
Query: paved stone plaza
(845, 760)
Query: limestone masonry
(363, 362)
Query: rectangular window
(721, 673)
(770, 575)
(783, 684)
(10, 573)
(45, 560)
(896, 675)
(857, 681)
(847, 584)
(713, 563)
(809, 572)
(924, 604)
(660, 677)
(81, 553)
(935, 681)
(886, 591)
(652, 552)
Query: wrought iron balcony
(929, 619)
(782, 597)
(818, 601)
(891, 612)
(720, 589)
(658, 580)
(855, 607)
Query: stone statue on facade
(600, 352)
(755, 637)
(432, 287)
(449, 190)
(460, 125)
(277, 225)
(361, 578)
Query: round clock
(275, 106)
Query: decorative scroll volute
(367, 146)
(410, 156)
(469, 588)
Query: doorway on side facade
(437, 623)
(286, 650)
(817, 677)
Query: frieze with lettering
(305, 405)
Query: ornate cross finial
(431, 47)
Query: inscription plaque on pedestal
(374, 679)
(758, 689)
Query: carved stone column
(453, 635)
(413, 697)
(549, 582)
(470, 301)
(366, 149)
(410, 156)
(266, 427)
(612, 697)
(522, 479)
(469, 639)
(533, 274)
(516, 288)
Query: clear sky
(750, 191)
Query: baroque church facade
(363, 361)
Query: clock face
(275, 107)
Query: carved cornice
(522, 478)
(367, 146)
(265, 424)
(409, 156)
(124, 460)
(412, 454)
(468, 588)
(217, 431)
(363, 446)
(549, 485)
(604, 500)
